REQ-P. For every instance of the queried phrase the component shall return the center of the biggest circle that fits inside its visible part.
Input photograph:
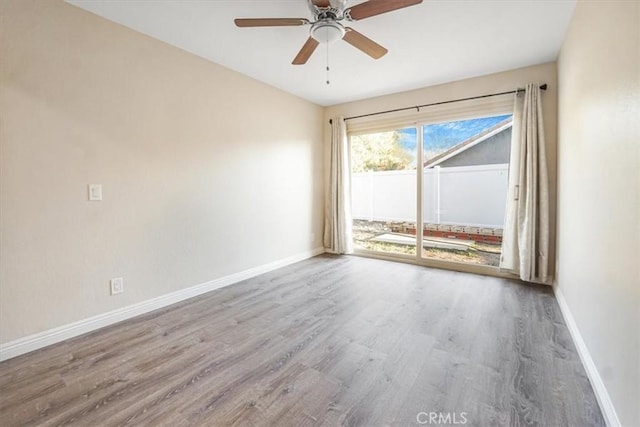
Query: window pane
(464, 189)
(384, 191)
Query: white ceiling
(435, 42)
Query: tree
(379, 152)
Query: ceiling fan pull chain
(328, 69)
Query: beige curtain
(525, 244)
(337, 228)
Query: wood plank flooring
(325, 342)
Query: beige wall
(599, 191)
(205, 172)
(493, 83)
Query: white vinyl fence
(467, 195)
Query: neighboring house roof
(468, 143)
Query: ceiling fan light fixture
(327, 31)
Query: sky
(442, 136)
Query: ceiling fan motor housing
(327, 31)
(338, 4)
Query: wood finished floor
(326, 342)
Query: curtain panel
(338, 236)
(525, 242)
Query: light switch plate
(95, 192)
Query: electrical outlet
(117, 286)
(95, 192)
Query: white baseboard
(606, 406)
(71, 330)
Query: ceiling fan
(327, 26)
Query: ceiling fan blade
(321, 3)
(305, 53)
(363, 43)
(377, 7)
(271, 22)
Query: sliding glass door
(440, 186)
(383, 188)
(464, 189)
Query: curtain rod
(418, 107)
